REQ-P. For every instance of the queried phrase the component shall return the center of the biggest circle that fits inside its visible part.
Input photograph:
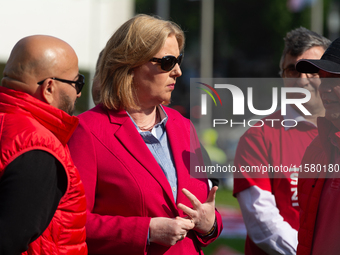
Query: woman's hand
(167, 231)
(202, 215)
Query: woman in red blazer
(134, 155)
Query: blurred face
(330, 95)
(66, 95)
(302, 80)
(67, 102)
(154, 85)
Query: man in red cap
(319, 180)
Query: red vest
(29, 124)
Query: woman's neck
(145, 119)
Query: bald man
(42, 200)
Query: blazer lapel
(180, 153)
(186, 152)
(129, 137)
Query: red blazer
(125, 186)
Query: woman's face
(154, 85)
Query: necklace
(146, 128)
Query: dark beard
(66, 104)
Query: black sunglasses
(168, 62)
(79, 83)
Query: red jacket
(125, 187)
(28, 124)
(310, 185)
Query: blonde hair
(132, 45)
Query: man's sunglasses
(168, 62)
(79, 83)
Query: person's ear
(48, 91)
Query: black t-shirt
(30, 191)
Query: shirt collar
(292, 114)
(163, 115)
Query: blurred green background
(224, 199)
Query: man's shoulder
(269, 124)
(17, 124)
(274, 115)
(23, 133)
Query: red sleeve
(251, 153)
(106, 234)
